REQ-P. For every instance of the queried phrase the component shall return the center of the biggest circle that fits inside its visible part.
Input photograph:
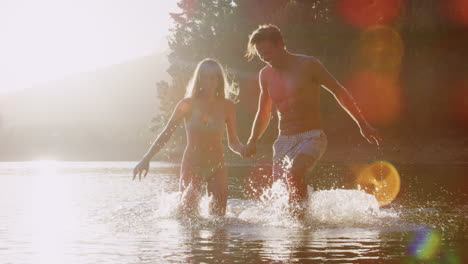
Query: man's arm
(345, 100)
(262, 118)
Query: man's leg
(297, 186)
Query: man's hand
(371, 134)
(250, 149)
(141, 168)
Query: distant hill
(103, 115)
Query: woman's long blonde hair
(224, 89)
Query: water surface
(92, 212)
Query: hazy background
(77, 78)
(96, 80)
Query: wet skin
(296, 96)
(292, 84)
(204, 148)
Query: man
(292, 83)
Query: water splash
(273, 208)
(324, 208)
(345, 207)
(329, 207)
(168, 205)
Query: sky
(46, 40)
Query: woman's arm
(233, 140)
(180, 111)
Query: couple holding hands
(290, 82)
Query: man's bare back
(296, 95)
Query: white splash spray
(273, 209)
(329, 207)
(344, 207)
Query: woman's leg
(218, 187)
(190, 186)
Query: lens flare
(457, 11)
(365, 13)
(378, 95)
(380, 48)
(425, 244)
(380, 179)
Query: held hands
(371, 134)
(249, 150)
(141, 168)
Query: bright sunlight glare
(51, 39)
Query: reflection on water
(53, 218)
(58, 212)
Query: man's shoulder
(307, 59)
(265, 70)
(309, 64)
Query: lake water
(92, 212)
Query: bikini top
(205, 122)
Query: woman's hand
(141, 168)
(250, 150)
(241, 150)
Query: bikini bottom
(206, 173)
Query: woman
(206, 111)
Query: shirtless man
(292, 83)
